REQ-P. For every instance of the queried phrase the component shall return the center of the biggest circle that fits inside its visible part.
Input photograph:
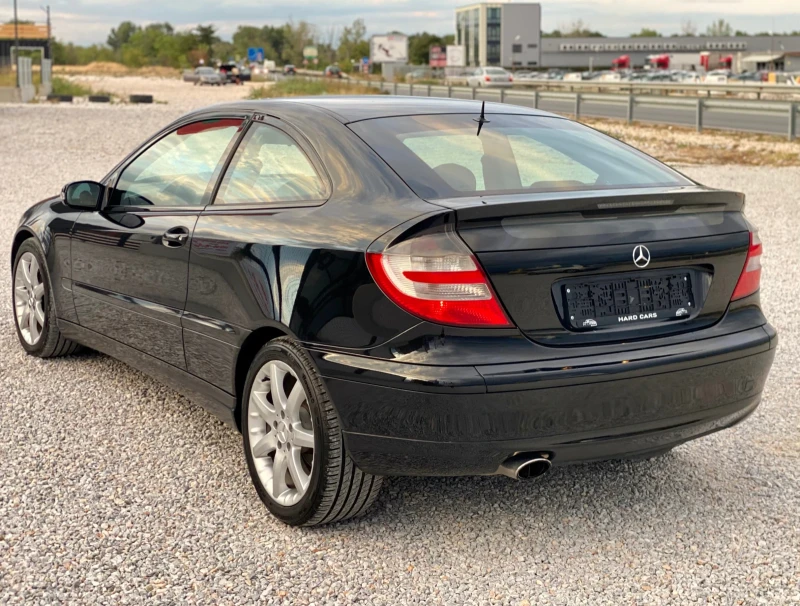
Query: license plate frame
(627, 300)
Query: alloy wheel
(281, 432)
(29, 298)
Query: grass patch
(308, 88)
(62, 86)
(8, 77)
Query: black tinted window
(269, 167)
(176, 169)
(441, 156)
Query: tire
(49, 343)
(141, 98)
(335, 488)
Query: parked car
(367, 288)
(204, 75)
(689, 77)
(289, 70)
(333, 71)
(527, 76)
(231, 73)
(491, 77)
(718, 76)
(755, 77)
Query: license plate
(625, 301)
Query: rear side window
(442, 156)
(177, 169)
(269, 167)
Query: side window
(269, 167)
(176, 169)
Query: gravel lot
(116, 490)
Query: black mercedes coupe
(377, 286)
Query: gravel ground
(116, 490)
(175, 92)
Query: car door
(248, 254)
(130, 258)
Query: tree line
(161, 44)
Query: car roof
(348, 109)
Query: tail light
(436, 277)
(750, 280)
(487, 78)
(511, 78)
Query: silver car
(208, 75)
(492, 77)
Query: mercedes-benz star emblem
(641, 256)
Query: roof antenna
(482, 120)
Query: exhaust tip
(526, 466)
(533, 468)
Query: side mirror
(83, 194)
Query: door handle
(175, 237)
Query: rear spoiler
(596, 202)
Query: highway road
(765, 117)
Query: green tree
(271, 39)
(646, 33)
(352, 44)
(419, 46)
(206, 37)
(121, 34)
(720, 27)
(296, 36)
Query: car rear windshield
(442, 156)
(496, 71)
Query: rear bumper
(402, 419)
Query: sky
(89, 21)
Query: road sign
(255, 54)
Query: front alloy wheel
(34, 310)
(29, 298)
(293, 445)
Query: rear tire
(33, 308)
(315, 482)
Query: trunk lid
(575, 268)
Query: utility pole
(16, 40)
(49, 33)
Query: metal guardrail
(765, 117)
(664, 88)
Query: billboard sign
(456, 56)
(437, 56)
(310, 53)
(392, 48)
(255, 55)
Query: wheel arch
(247, 352)
(22, 235)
